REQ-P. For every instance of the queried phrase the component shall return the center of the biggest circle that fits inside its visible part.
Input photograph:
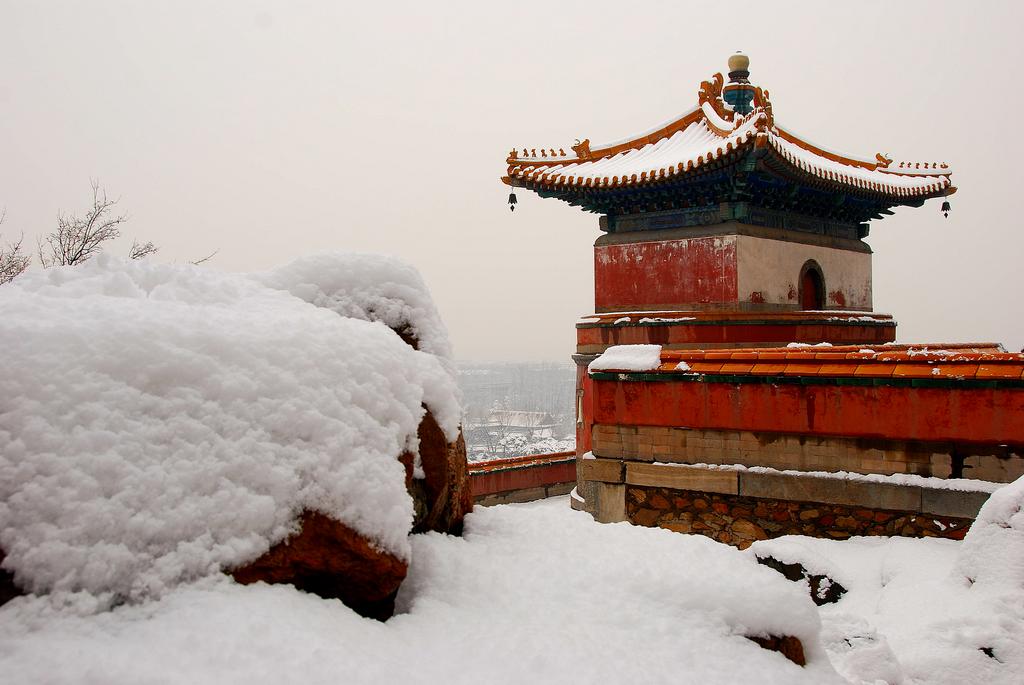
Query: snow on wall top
(161, 422)
(628, 358)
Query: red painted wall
(512, 478)
(584, 401)
(838, 333)
(968, 415)
(667, 274)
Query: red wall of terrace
(667, 274)
(979, 415)
(521, 473)
(731, 333)
(584, 409)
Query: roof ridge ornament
(738, 94)
(710, 93)
(762, 102)
(739, 68)
(582, 150)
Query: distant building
(534, 424)
(727, 240)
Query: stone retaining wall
(739, 520)
(740, 505)
(998, 463)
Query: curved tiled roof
(684, 150)
(962, 361)
(712, 132)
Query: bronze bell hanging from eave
(512, 201)
(945, 208)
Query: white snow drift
(371, 287)
(530, 594)
(161, 422)
(992, 558)
(930, 611)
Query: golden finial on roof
(739, 68)
(739, 62)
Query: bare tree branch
(80, 238)
(207, 257)
(140, 250)
(12, 262)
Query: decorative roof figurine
(730, 150)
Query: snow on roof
(960, 361)
(712, 131)
(684, 150)
(160, 422)
(861, 176)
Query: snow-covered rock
(159, 423)
(371, 287)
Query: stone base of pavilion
(751, 444)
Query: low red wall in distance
(521, 473)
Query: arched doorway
(812, 286)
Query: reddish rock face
(443, 497)
(787, 645)
(331, 560)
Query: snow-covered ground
(906, 617)
(540, 593)
(530, 594)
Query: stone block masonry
(739, 520)
(808, 452)
(736, 505)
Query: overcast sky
(269, 130)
